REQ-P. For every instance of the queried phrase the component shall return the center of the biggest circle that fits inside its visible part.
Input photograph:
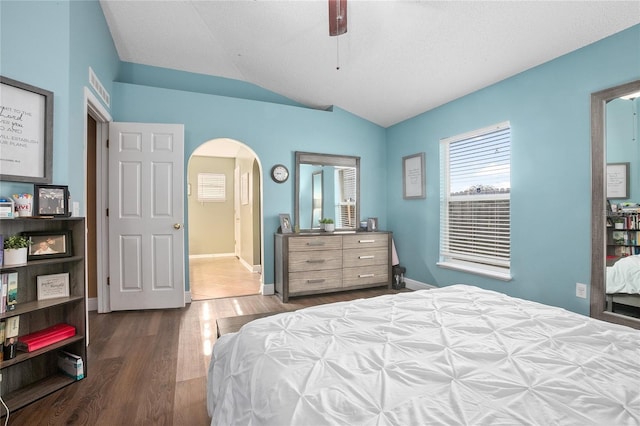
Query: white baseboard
(92, 304)
(417, 285)
(268, 290)
(211, 255)
(187, 297)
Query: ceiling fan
(337, 17)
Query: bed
(454, 355)
(623, 282)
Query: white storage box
(71, 365)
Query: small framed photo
(50, 200)
(46, 244)
(53, 286)
(285, 223)
(372, 224)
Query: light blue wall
(549, 111)
(623, 139)
(274, 132)
(51, 45)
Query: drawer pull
(315, 261)
(315, 243)
(316, 281)
(366, 275)
(366, 257)
(366, 241)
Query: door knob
(177, 226)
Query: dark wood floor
(150, 367)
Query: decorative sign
(53, 286)
(26, 132)
(618, 180)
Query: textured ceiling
(398, 58)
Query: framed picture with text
(26, 132)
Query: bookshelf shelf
(623, 236)
(32, 375)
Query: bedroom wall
(51, 45)
(622, 138)
(549, 110)
(210, 224)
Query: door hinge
(107, 212)
(108, 280)
(107, 143)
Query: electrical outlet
(581, 290)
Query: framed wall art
(47, 244)
(50, 200)
(413, 182)
(617, 180)
(26, 132)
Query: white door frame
(93, 107)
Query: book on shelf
(12, 291)
(39, 339)
(1, 250)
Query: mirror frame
(326, 160)
(598, 203)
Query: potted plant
(15, 250)
(328, 224)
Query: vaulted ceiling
(398, 58)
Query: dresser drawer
(315, 260)
(314, 280)
(365, 275)
(315, 243)
(365, 240)
(365, 257)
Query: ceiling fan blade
(337, 17)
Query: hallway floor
(214, 278)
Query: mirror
(327, 186)
(615, 181)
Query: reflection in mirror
(327, 186)
(317, 212)
(615, 266)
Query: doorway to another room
(223, 186)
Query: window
(475, 225)
(346, 217)
(211, 187)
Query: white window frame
(472, 260)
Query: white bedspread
(455, 355)
(624, 276)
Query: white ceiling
(398, 59)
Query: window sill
(474, 269)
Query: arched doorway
(224, 220)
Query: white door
(236, 211)
(146, 237)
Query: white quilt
(624, 276)
(455, 355)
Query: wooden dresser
(312, 263)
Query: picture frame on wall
(617, 181)
(51, 200)
(49, 244)
(26, 132)
(413, 177)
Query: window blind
(475, 198)
(347, 205)
(211, 187)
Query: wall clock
(279, 173)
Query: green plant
(16, 242)
(326, 220)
